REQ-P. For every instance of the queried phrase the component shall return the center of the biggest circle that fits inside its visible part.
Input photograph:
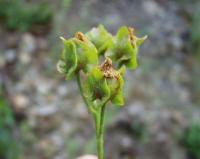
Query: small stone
(60, 156)
(27, 48)
(126, 142)
(62, 90)
(177, 42)
(28, 43)
(177, 118)
(45, 147)
(87, 157)
(12, 40)
(81, 111)
(43, 85)
(45, 111)
(2, 61)
(25, 58)
(20, 102)
(10, 55)
(57, 140)
(185, 95)
(67, 127)
(161, 137)
(136, 109)
(44, 144)
(42, 44)
(44, 117)
(152, 8)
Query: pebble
(152, 8)
(2, 61)
(27, 46)
(10, 55)
(62, 90)
(88, 157)
(20, 102)
(177, 118)
(11, 40)
(44, 111)
(42, 43)
(44, 117)
(136, 109)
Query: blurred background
(42, 116)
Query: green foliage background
(9, 148)
(20, 15)
(191, 140)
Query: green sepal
(131, 63)
(116, 87)
(122, 70)
(122, 33)
(118, 99)
(140, 41)
(100, 38)
(125, 48)
(86, 53)
(123, 53)
(96, 87)
(61, 66)
(68, 59)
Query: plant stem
(100, 133)
(98, 118)
(84, 98)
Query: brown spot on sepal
(132, 36)
(80, 36)
(108, 70)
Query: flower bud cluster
(82, 53)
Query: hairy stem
(100, 133)
(98, 118)
(84, 98)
